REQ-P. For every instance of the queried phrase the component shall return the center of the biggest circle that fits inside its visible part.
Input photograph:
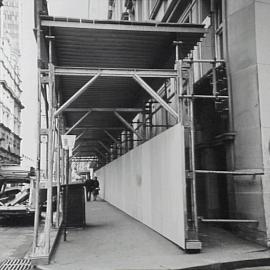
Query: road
(15, 237)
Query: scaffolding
(119, 133)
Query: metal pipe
(119, 72)
(77, 94)
(124, 121)
(112, 137)
(78, 122)
(66, 192)
(73, 150)
(79, 136)
(155, 111)
(204, 96)
(104, 110)
(192, 158)
(166, 100)
(143, 124)
(104, 146)
(48, 220)
(58, 176)
(214, 79)
(38, 146)
(98, 128)
(230, 172)
(179, 90)
(208, 61)
(153, 94)
(227, 220)
(213, 22)
(102, 154)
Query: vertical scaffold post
(192, 241)
(192, 155)
(213, 46)
(150, 119)
(48, 221)
(67, 174)
(166, 99)
(37, 185)
(58, 205)
(144, 123)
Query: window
(219, 29)
(205, 9)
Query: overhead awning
(116, 50)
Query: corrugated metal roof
(113, 44)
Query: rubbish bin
(73, 205)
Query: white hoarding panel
(148, 183)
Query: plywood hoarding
(148, 183)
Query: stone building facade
(238, 32)
(10, 91)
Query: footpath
(112, 240)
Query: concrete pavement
(16, 238)
(113, 240)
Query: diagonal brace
(124, 121)
(79, 136)
(76, 148)
(76, 95)
(78, 122)
(102, 154)
(104, 146)
(154, 95)
(112, 137)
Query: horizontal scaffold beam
(97, 128)
(76, 95)
(104, 109)
(247, 172)
(153, 27)
(123, 72)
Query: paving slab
(112, 240)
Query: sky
(84, 9)
(94, 9)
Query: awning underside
(112, 45)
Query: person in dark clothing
(89, 186)
(95, 188)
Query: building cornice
(9, 130)
(4, 83)
(8, 70)
(10, 153)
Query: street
(15, 237)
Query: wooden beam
(78, 122)
(124, 121)
(154, 95)
(76, 95)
